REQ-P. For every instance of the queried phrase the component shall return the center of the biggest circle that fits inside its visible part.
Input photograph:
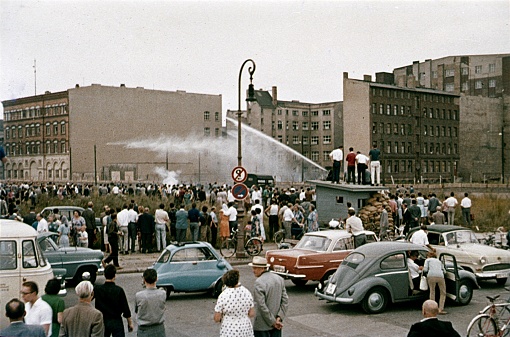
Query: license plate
(279, 269)
(501, 275)
(331, 288)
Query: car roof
(64, 207)
(15, 229)
(196, 244)
(383, 247)
(445, 228)
(334, 233)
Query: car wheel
(299, 281)
(326, 277)
(253, 247)
(375, 301)
(218, 288)
(279, 237)
(501, 281)
(82, 276)
(465, 292)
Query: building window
(403, 147)
(206, 116)
(478, 69)
(492, 67)
(395, 147)
(305, 125)
(492, 83)
(305, 113)
(325, 155)
(314, 140)
(295, 139)
(465, 86)
(280, 138)
(279, 112)
(388, 128)
(478, 84)
(216, 132)
(48, 129)
(315, 156)
(315, 113)
(295, 112)
(55, 147)
(381, 128)
(381, 109)
(402, 129)
(315, 125)
(409, 129)
(374, 127)
(434, 74)
(295, 125)
(286, 125)
(326, 139)
(388, 147)
(216, 116)
(55, 128)
(388, 109)
(280, 125)
(449, 73)
(395, 110)
(326, 112)
(464, 71)
(449, 87)
(374, 108)
(326, 125)
(425, 128)
(7, 133)
(207, 132)
(305, 140)
(395, 128)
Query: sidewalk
(137, 262)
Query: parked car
(316, 256)
(376, 274)
(75, 260)
(21, 260)
(191, 267)
(484, 261)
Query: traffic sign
(239, 174)
(240, 191)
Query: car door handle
(194, 262)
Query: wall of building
(111, 117)
(356, 112)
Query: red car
(316, 256)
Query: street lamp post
(250, 98)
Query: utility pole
(35, 78)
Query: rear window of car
(312, 242)
(353, 260)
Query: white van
(21, 260)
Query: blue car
(191, 267)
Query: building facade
(311, 129)
(111, 133)
(416, 130)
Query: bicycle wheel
(253, 246)
(482, 326)
(228, 248)
(279, 237)
(503, 314)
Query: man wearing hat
(271, 300)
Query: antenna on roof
(35, 78)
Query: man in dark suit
(15, 311)
(90, 222)
(430, 325)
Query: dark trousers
(361, 174)
(214, 235)
(273, 226)
(132, 235)
(268, 333)
(336, 170)
(114, 255)
(146, 243)
(92, 237)
(181, 235)
(232, 225)
(351, 174)
(113, 327)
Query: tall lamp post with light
(249, 98)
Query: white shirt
(420, 238)
(288, 215)
(465, 203)
(361, 158)
(413, 268)
(132, 216)
(123, 218)
(354, 224)
(451, 202)
(232, 214)
(39, 313)
(273, 210)
(256, 195)
(42, 226)
(337, 155)
(161, 216)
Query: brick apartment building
(312, 129)
(417, 130)
(80, 134)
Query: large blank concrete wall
(357, 129)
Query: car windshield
(312, 242)
(353, 260)
(463, 236)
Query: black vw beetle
(376, 274)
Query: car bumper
(333, 298)
(287, 275)
(493, 274)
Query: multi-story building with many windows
(417, 130)
(312, 129)
(102, 132)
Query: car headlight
(483, 260)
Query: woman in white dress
(234, 308)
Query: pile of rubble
(371, 213)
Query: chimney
(47, 92)
(367, 78)
(275, 95)
(346, 74)
(122, 85)
(77, 85)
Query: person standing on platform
(375, 165)
(337, 156)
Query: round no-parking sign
(239, 174)
(239, 191)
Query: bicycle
(493, 320)
(253, 246)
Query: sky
(302, 47)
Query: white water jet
(169, 177)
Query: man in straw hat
(271, 300)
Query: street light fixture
(250, 98)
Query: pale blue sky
(303, 47)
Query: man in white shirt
(288, 218)
(42, 224)
(420, 237)
(38, 311)
(337, 155)
(123, 221)
(232, 216)
(361, 165)
(256, 194)
(465, 205)
(451, 203)
(132, 233)
(354, 225)
(162, 219)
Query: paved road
(191, 315)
